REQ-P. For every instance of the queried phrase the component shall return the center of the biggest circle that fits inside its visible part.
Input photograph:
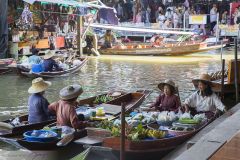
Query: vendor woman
(108, 39)
(49, 64)
(38, 104)
(65, 107)
(204, 100)
(167, 101)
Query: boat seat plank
(89, 141)
(111, 108)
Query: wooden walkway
(211, 142)
(229, 151)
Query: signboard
(229, 30)
(198, 19)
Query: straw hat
(167, 82)
(206, 79)
(38, 85)
(49, 54)
(70, 92)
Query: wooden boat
(26, 72)
(19, 142)
(166, 50)
(7, 128)
(131, 100)
(5, 62)
(149, 149)
(4, 70)
(225, 86)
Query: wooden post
(236, 69)
(221, 50)
(122, 150)
(79, 33)
(217, 29)
(222, 79)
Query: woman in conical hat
(167, 101)
(65, 108)
(204, 100)
(38, 105)
(49, 64)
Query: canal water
(105, 73)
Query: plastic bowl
(29, 137)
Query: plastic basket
(29, 137)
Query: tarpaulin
(3, 28)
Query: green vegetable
(102, 99)
(188, 121)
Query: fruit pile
(133, 133)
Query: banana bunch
(156, 134)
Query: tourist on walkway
(213, 17)
(38, 105)
(204, 100)
(160, 19)
(49, 64)
(224, 17)
(167, 101)
(186, 15)
(176, 18)
(65, 108)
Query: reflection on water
(114, 73)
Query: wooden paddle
(66, 140)
(6, 125)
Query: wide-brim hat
(206, 78)
(70, 92)
(49, 54)
(38, 85)
(168, 82)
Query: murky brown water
(114, 73)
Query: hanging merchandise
(26, 19)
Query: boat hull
(149, 149)
(177, 50)
(26, 72)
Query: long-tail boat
(26, 72)
(177, 49)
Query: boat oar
(66, 140)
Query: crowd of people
(171, 15)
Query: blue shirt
(38, 109)
(34, 59)
(48, 65)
